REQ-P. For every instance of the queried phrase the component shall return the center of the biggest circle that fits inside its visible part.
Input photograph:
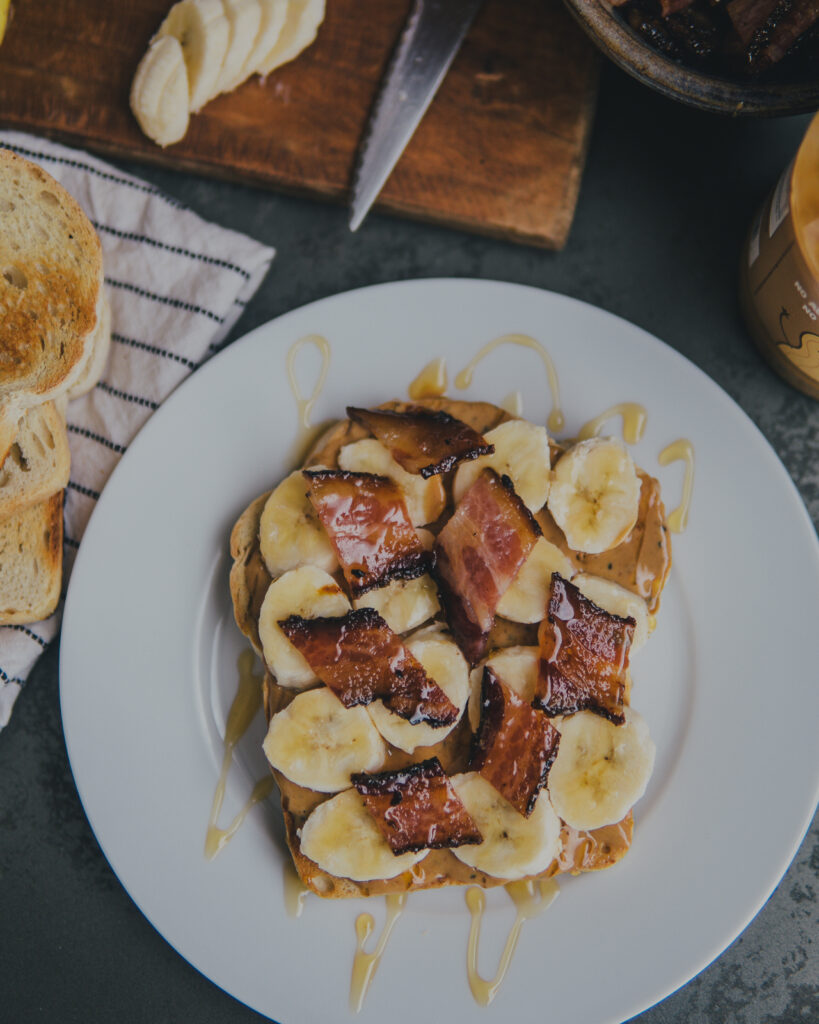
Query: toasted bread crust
(31, 560)
(50, 284)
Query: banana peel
(5, 14)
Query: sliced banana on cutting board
(310, 593)
(244, 18)
(521, 453)
(299, 30)
(513, 846)
(318, 743)
(203, 31)
(616, 600)
(342, 838)
(526, 597)
(601, 769)
(223, 42)
(444, 663)
(425, 499)
(595, 494)
(290, 533)
(159, 93)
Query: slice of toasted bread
(50, 284)
(100, 347)
(38, 462)
(31, 561)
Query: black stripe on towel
(11, 679)
(131, 236)
(84, 490)
(121, 448)
(80, 166)
(126, 397)
(154, 350)
(166, 300)
(30, 634)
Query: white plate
(727, 682)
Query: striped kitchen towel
(176, 285)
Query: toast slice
(100, 347)
(38, 462)
(31, 559)
(50, 282)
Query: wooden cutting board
(500, 151)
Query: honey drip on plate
(683, 451)
(634, 422)
(366, 964)
(245, 704)
(295, 890)
(530, 898)
(304, 404)
(431, 382)
(464, 379)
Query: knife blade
(431, 38)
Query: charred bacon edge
(436, 417)
(296, 626)
(493, 702)
(390, 783)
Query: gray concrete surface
(667, 196)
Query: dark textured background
(667, 197)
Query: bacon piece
(583, 655)
(423, 441)
(514, 746)
(478, 554)
(360, 658)
(367, 520)
(416, 808)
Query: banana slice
(403, 604)
(159, 92)
(244, 18)
(617, 601)
(517, 667)
(309, 592)
(299, 30)
(203, 31)
(317, 742)
(444, 662)
(425, 499)
(601, 769)
(274, 13)
(290, 533)
(522, 454)
(595, 494)
(342, 838)
(528, 594)
(513, 846)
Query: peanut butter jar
(779, 272)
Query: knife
(428, 44)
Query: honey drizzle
(431, 382)
(634, 422)
(680, 450)
(245, 704)
(464, 379)
(305, 405)
(366, 964)
(530, 898)
(295, 890)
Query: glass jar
(779, 273)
